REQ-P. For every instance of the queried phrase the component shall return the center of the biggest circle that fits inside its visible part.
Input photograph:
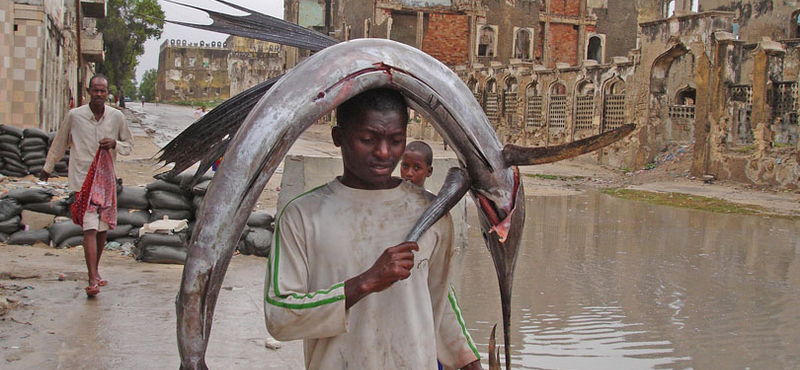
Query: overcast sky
(179, 13)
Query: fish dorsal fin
(521, 156)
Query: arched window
(557, 106)
(794, 27)
(584, 105)
(669, 9)
(492, 101)
(686, 97)
(614, 105)
(486, 41)
(510, 96)
(533, 109)
(522, 44)
(594, 50)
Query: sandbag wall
(136, 206)
(23, 152)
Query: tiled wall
(6, 44)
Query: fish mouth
(500, 217)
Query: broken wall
(759, 18)
(192, 72)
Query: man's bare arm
(394, 264)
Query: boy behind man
(417, 163)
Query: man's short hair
(421, 148)
(98, 76)
(379, 100)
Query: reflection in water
(603, 283)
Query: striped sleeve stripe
(457, 309)
(324, 293)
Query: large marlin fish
(309, 91)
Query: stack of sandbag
(168, 200)
(65, 234)
(32, 199)
(163, 241)
(61, 167)
(34, 146)
(132, 213)
(10, 211)
(10, 138)
(257, 236)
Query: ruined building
(214, 71)
(46, 64)
(719, 77)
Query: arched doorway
(594, 49)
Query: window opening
(595, 49)
(492, 101)
(584, 106)
(557, 107)
(522, 46)
(486, 42)
(614, 106)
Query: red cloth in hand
(98, 192)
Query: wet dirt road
(131, 324)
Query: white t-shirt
(334, 233)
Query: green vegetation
(782, 145)
(745, 149)
(650, 166)
(197, 103)
(691, 201)
(148, 86)
(554, 177)
(128, 24)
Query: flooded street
(603, 283)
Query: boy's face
(414, 168)
(371, 145)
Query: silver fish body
(307, 92)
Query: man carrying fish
(340, 276)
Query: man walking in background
(85, 130)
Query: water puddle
(604, 283)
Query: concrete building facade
(705, 75)
(42, 74)
(216, 70)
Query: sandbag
(134, 217)
(160, 254)
(160, 199)
(61, 231)
(172, 214)
(177, 240)
(12, 173)
(28, 156)
(32, 142)
(182, 179)
(33, 148)
(31, 195)
(35, 132)
(13, 161)
(34, 161)
(57, 207)
(35, 170)
(17, 169)
(11, 139)
(29, 237)
(61, 167)
(3, 237)
(70, 242)
(11, 130)
(201, 188)
(197, 201)
(10, 226)
(164, 186)
(257, 241)
(133, 197)
(119, 232)
(261, 219)
(10, 148)
(9, 207)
